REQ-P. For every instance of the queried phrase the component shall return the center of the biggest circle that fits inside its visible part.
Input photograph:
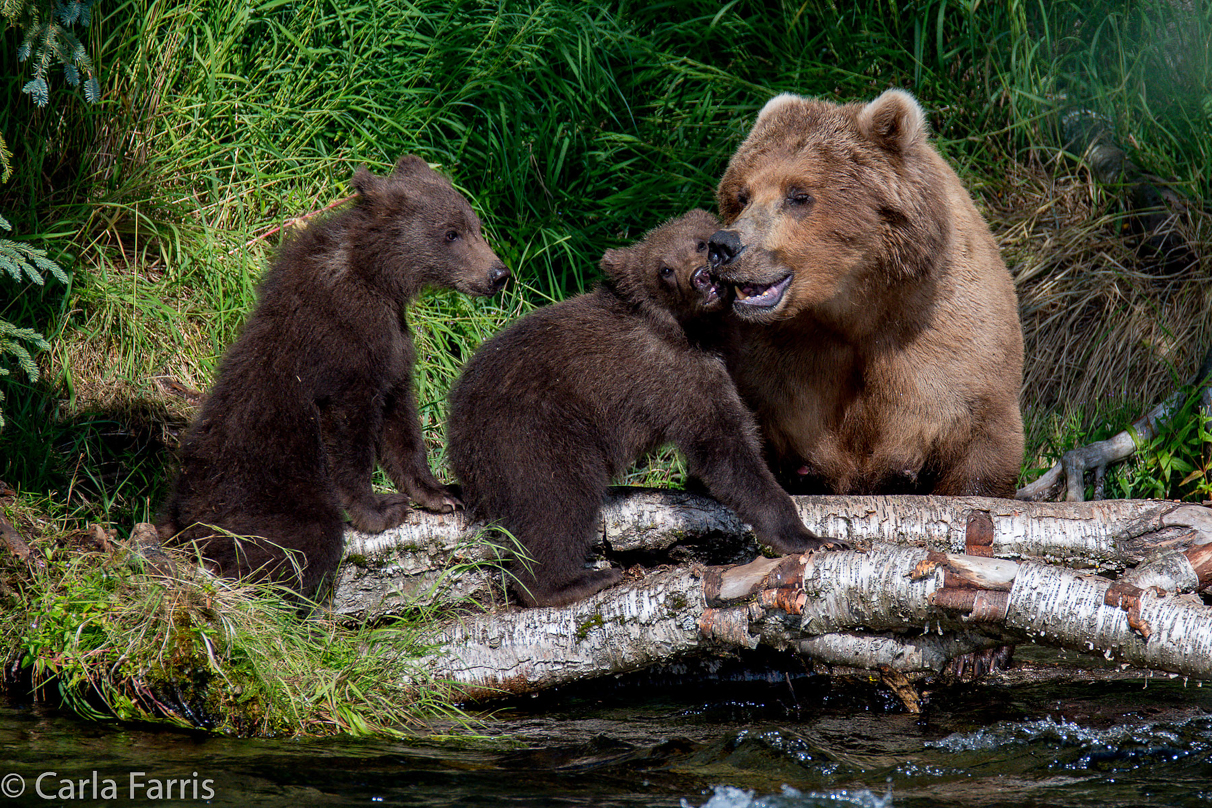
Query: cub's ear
(613, 263)
(365, 183)
(778, 102)
(894, 121)
(410, 164)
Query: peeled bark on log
(815, 604)
(443, 558)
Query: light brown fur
(892, 361)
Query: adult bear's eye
(701, 246)
(742, 199)
(451, 235)
(666, 271)
(798, 197)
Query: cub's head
(828, 205)
(422, 233)
(668, 269)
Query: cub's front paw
(379, 513)
(805, 541)
(437, 499)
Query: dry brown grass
(1103, 320)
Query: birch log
(903, 609)
(444, 558)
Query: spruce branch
(48, 41)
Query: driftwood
(934, 578)
(1153, 206)
(1070, 472)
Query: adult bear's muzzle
(723, 247)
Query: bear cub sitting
(320, 382)
(548, 411)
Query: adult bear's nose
(723, 247)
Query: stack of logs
(935, 579)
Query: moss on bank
(110, 634)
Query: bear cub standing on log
(548, 411)
(877, 337)
(320, 382)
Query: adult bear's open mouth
(761, 296)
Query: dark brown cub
(548, 411)
(319, 384)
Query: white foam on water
(732, 797)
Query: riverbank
(122, 629)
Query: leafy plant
(1177, 462)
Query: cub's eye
(798, 197)
(701, 246)
(451, 235)
(742, 199)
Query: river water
(780, 739)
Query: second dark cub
(554, 407)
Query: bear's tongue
(756, 294)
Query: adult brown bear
(319, 384)
(550, 409)
(877, 337)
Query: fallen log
(935, 578)
(888, 608)
(444, 558)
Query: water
(788, 742)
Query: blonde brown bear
(877, 336)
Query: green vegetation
(113, 635)
(573, 127)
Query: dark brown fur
(550, 410)
(892, 360)
(319, 383)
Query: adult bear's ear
(894, 121)
(410, 165)
(778, 102)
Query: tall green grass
(573, 127)
(112, 635)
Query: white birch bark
(941, 577)
(623, 629)
(444, 557)
(891, 608)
